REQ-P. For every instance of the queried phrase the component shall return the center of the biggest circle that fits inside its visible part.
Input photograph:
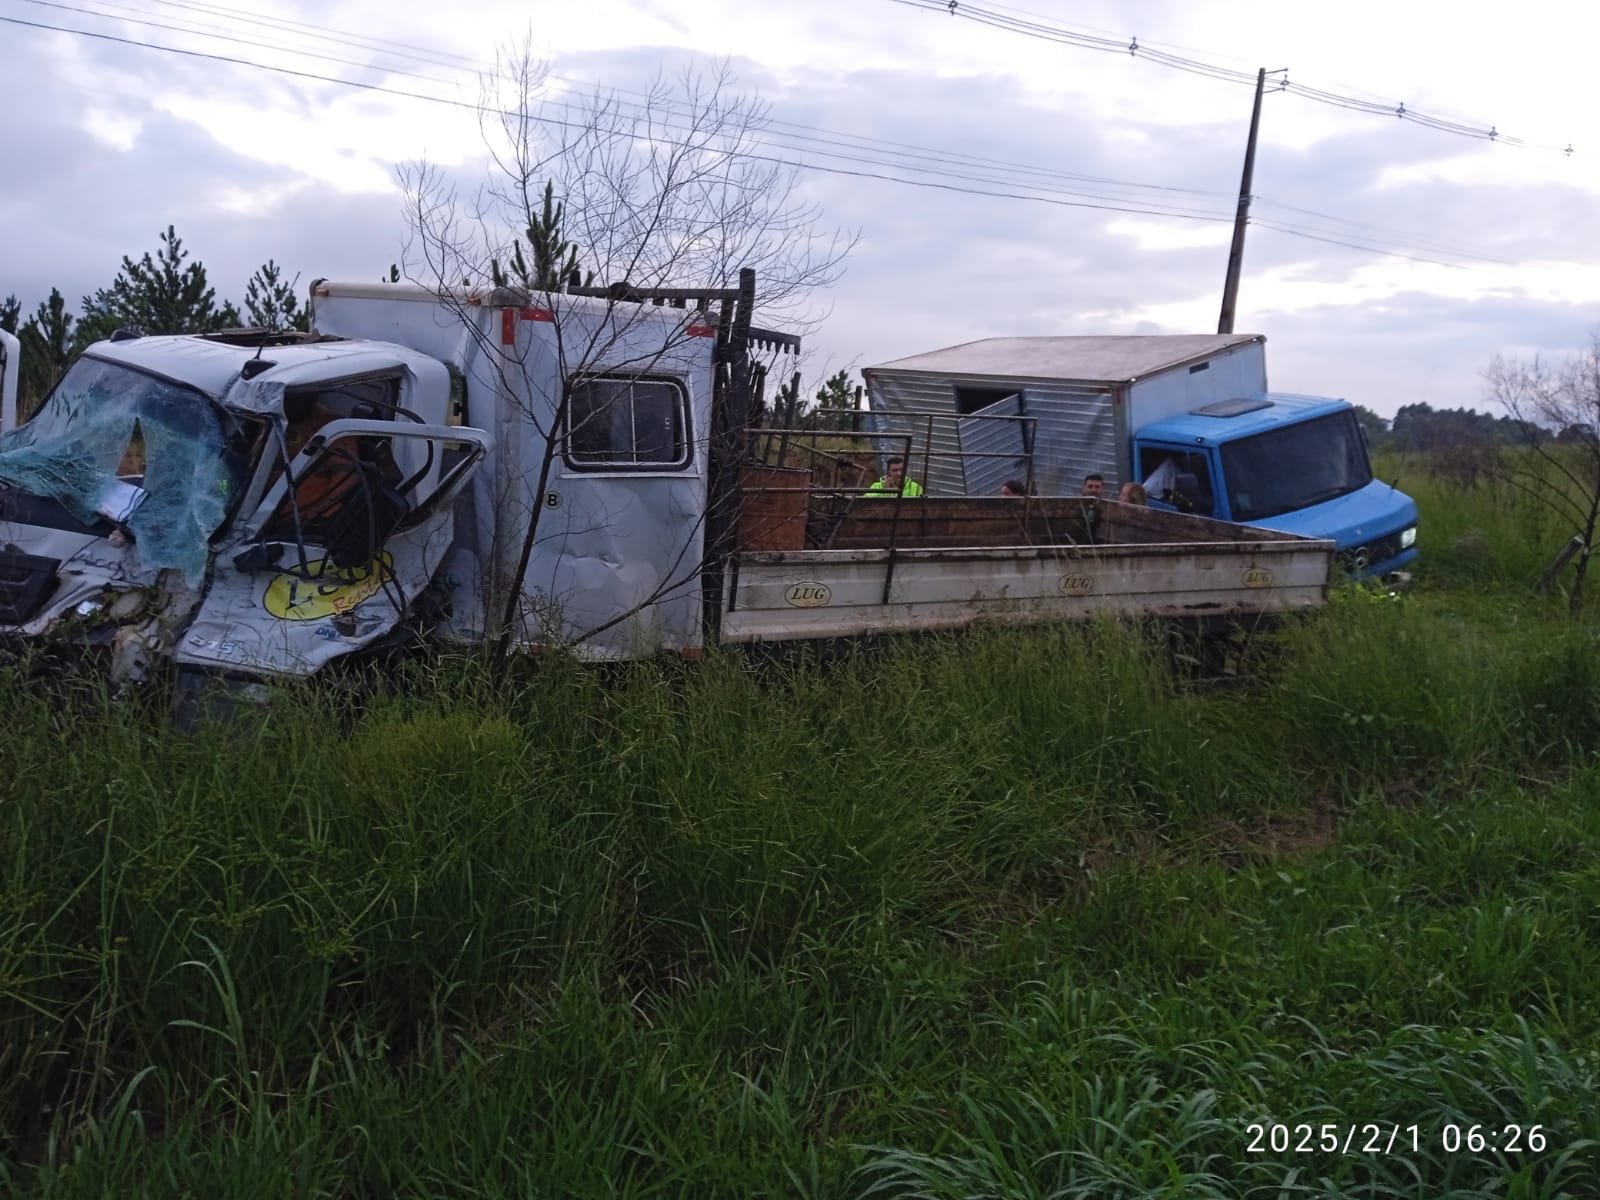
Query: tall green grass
(1013, 914)
(1489, 518)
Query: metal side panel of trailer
(791, 595)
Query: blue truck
(1190, 416)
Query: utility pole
(1230, 287)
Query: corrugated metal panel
(1078, 431)
(935, 442)
(981, 437)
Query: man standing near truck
(1094, 486)
(894, 481)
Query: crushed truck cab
(247, 504)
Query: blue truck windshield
(1295, 467)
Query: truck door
(994, 443)
(341, 545)
(621, 536)
(1182, 478)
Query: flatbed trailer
(822, 565)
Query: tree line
(164, 292)
(1422, 429)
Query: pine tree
(159, 295)
(10, 314)
(555, 260)
(49, 344)
(270, 302)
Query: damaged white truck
(526, 470)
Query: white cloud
(121, 141)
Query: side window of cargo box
(627, 423)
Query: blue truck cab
(1189, 415)
(1293, 463)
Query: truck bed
(940, 563)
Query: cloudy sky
(1082, 191)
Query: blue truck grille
(1357, 560)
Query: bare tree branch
(668, 191)
(1557, 409)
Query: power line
(1333, 241)
(480, 108)
(950, 167)
(1131, 46)
(773, 128)
(995, 190)
(1422, 241)
(225, 37)
(324, 33)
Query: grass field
(1005, 915)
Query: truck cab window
(627, 424)
(348, 501)
(353, 491)
(1296, 466)
(307, 410)
(1181, 478)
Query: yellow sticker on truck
(324, 589)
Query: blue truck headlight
(1408, 537)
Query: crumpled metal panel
(993, 451)
(615, 566)
(282, 622)
(619, 577)
(1077, 430)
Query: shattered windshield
(1295, 466)
(112, 443)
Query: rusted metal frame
(1030, 437)
(788, 417)
(1029, 431)
(772, 339)
(729, 436)
(932, 414)
(731, 582)
(626, 292)
(671, 297)
(894, 523)
(927, 449)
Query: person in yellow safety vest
(894, 481)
